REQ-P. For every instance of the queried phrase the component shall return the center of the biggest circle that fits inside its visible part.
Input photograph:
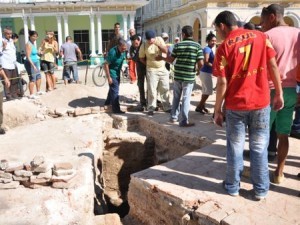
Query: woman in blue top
(32, 65)
(206, 72)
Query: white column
(66, 26)
(99, 34)
(132, 16)
(0, 29)
(125, 28)
(32, 25)
(59, 31)
(25, 24)
(92, 25)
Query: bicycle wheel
(99, 76)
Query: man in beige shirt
(157, 74)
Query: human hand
(7, 82)
(278, 102)
(219, 118)
(110, 81)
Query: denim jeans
(113, 95)
(70, 67)
(185, 89)
(257, 122)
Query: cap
(164, 35)
(150, 34)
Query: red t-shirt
(242, 58)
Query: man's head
(117, 28)
(15, 37)
(131, 32)
(187, 31)
(150, 36)
(271, 16)
(7, 33)
(69, 39)
(176, 40)
(122, 45)
(135, 41)
(165, 36)
(224, 23)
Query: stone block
(108, 219)
(35, 180)
(11, 185)
(44, 167)
(63, 172)
(95, 109)
(38, 160)
(17, 178)
(82, 111)
(64, 178)
(13, 166)
(46, 175)
(23, 173)
(6, 175)
(28, 184)
(27, 166)
(5, 180)
(3, 164)
(63, 166)
(61, 111)
(65, 185)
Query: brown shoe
(187, 124)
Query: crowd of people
(257, 71)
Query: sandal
(200, 110)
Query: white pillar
(0, 29)
(32, 25)
(99, 34)
(25, 24)
(92, 25)
(59, 31)
(125, 28)
(132, 17)
(66, 26)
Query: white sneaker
(33, 97)
(40, 93)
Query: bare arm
(79, 54)
(200, 64)
(6, 81)
(206, 60)
(275, 76)
(106, 69)
(28, 53)
(143, 60)
(221, 90)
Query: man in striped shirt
(187, 53)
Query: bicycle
(99, 76)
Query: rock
(61, 111)
(70, 184)
(38, 160)
(108, 219)
(82, 111)
(65, 178)
(11, 185)
(95, 109)
(12, 166)
(3, 164)
(35, 180)
(40, 116)
(23, 173)
(63, 172)
(27, 166)
(28, 184)
(46, 175)
(6, 180)
(17, 178)
(63, 166)
(43, 168)
(6, 175)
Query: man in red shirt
(241, 65)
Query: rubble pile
(37, 173)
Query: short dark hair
(135, 37)
(227, 18)
(117, 23)
(273, 9)
(68, 38)
(32, 32)
(187, 31)
(249, 26)
(210, 36)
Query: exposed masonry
(36, 173)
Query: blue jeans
(296, 122)
(184, 88)
(113, 95)
(257, 122)
(70, 67)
